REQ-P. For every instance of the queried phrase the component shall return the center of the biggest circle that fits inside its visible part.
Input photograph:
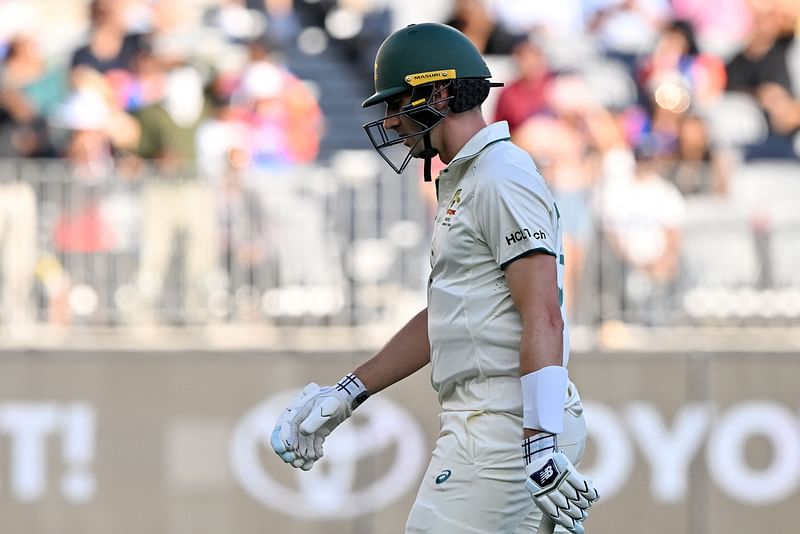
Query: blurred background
(193, 224)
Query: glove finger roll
(575, 528)
(582, 502)
(574, 512)
(307, 465)
(320, 415)
(319, 440)
(547, 506)
(558, 499)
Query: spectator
(473, 19)
(721, 26)
(626, 29)
(26, 69)
(110, 47)
(82, 237)
(174, 200)
(526, 96)
(763, 57)
(677, 56)
(89, 87)
(761, 69)
(561, 149)
(284, 124)
(223, 130)
(144, 85)
(243, 244)
(560, 144)
(238, 23)
(369, 24)
(29, 90)
(672, 80)
(283, 118)
(282, 21)
(783, 110)
(696, 166)
(94, 132)
(17, 252)
(642, 216)
(224, 159)
(563, 20)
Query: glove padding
(560, 491)
(300, 431)
(285, 435)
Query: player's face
(407, 118)
(400, 123)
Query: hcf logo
(329, 490)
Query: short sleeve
(515, 214)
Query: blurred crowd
(170, 98)
(169, 116)
(631, 107)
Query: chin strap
(427, 154)
(426, 172)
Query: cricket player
(494, 331)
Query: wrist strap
(354, 388)
(543, 395)
(534, 447)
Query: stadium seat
(769, 187)
(718, 246)
(735, 120)
(785, 257)
(568, 54)
(610, 83)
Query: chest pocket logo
(452, 208)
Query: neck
(457, 129)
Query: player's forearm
(541, 347)
(407, 352)
(542, 343)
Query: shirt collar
(487, 135)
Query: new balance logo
(544, 474)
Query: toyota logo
(332, 489)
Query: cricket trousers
(475, 482)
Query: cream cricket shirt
(494, 207)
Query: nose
(390, 123)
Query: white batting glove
(557, 488)
(284, 439)
(301, 430)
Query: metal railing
(338, 244)
(346, 244)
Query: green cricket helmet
(423, 59)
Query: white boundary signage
(328, 492)
(669, 449)
(179, 442)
